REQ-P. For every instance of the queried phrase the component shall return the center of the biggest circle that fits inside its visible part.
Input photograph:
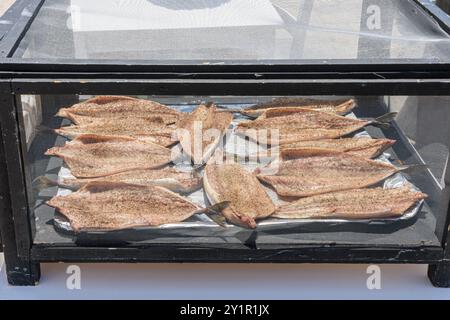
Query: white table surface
(224, 281)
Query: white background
(226, 281)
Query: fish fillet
(90, 156)
(147, 129)
(167, 177)
(340, 107)
(115, 206)
(355, 204)
(304, 125)
(118, 106)
(248, 199)
(200, 132)
(317, 171)
(362, 147)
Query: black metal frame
(441, 17)
(240, 78)
(13, 35)
(15, 234)
(34, 253)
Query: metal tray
(202, 225)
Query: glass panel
(227, 30)
(114, 143)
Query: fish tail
(44, 129)
(218, 219)
(42, 182)
(62, 113)
(195, 173)
(218, 207)
(214, 212)
(412, 168)
(348, 104)
(197, 168)
(385, 120)
(52, 151)
(66, 134)
(222, 108)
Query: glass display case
(225, 131)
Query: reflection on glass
(61, 156)
(234, 30)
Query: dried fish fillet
(90, 156)
(280, 105)
(167, 177)
(304, 125)
(200, 132)
(353, 205)
(107, 206)
(248, 199)
(317, 171)
(362, 147)
(118, 106)
(145, 128)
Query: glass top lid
(234, 30)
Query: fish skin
(304, 125)
(92, 156)
(339, 107)
(114, 106)
(248, 199)
(151, 129)
(357, 204)
(318, 171)
(209, 118)
(115, 206)
(363, 147)
(167, 177)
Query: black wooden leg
(20, 272)
(439, 274)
